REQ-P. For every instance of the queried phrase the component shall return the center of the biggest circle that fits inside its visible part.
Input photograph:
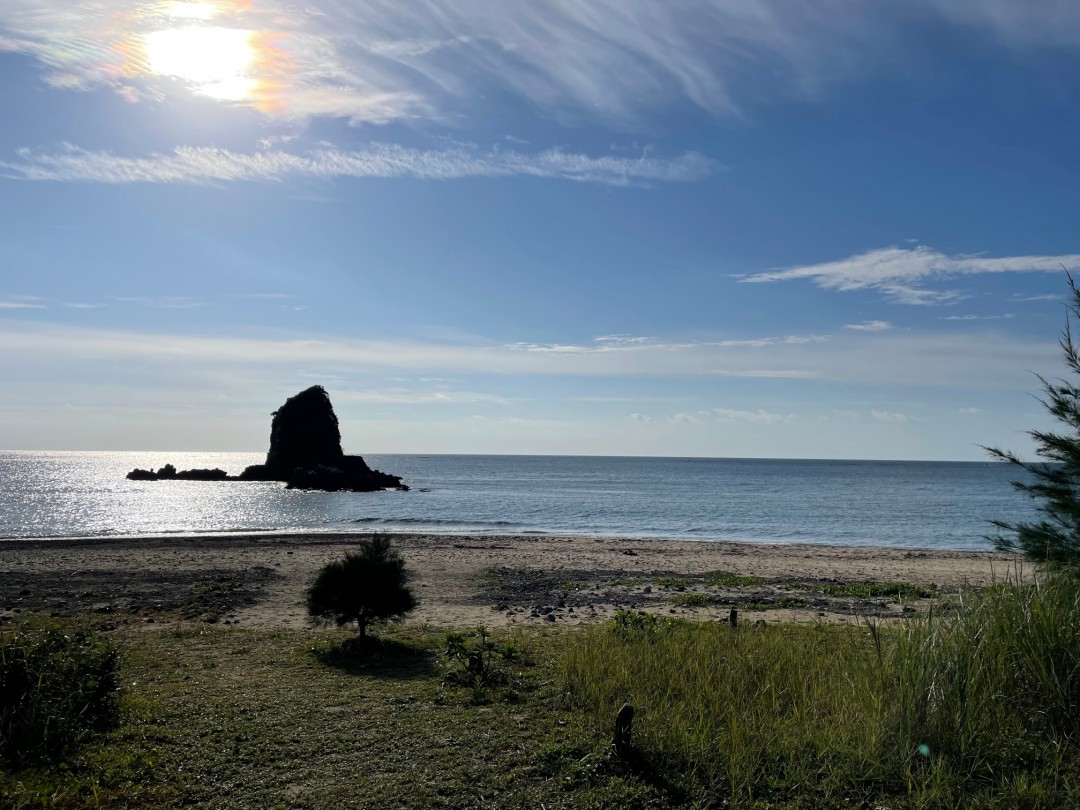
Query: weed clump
(58, 683)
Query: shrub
(58, 682)
(369, 585)
(476, 658)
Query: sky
(729, 228)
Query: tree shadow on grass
(377, 657)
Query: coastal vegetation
(974, 705)
(1054, 482)
(369, 585)
(58, 683)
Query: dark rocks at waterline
(170, 473)
(305, 453)
(351, 478)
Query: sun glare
(217, 61)
(190, 11)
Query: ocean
(930, 505)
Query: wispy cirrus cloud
(957, 359)
(892, 416)
(901, 273)
(869, 326)
(404, 396)
(385, 60)
(759, 415)
(207, 165)
(163, 302)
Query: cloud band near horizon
(203, 165)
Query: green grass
(228, 718)
(975, 708)
(693, 600)
(726, 579)
(57, 685)
(977, 705)
(895, 591)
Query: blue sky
(717, 227)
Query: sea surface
(936, 505)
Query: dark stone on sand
(305, 453)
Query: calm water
(910, 504)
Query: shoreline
(257, 580)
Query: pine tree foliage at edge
(1054, 539)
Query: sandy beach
(258, 581)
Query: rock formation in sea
(305, 450)
(305, 453)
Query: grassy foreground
(979, 707)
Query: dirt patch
(208, 596)
(579, 594)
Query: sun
(217, 61)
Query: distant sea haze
(932, 505)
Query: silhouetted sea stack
(305, 453)
(305, 450)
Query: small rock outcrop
(305, 453)
(170, 473)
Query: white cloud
(957, 359)
(642, 419)
(21, 303)
(204, 165)
(401, 396)
(684, 419)
(1048, 297)
(1005, 316)
(163, 302)
(385, 60)
(969, 411)
(869, 326)
(622, 340)
(766, 373)
(898, 272)
(889, 416)
(760, 416)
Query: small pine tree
(370, 584)
(1054, 539)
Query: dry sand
(258, 581)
